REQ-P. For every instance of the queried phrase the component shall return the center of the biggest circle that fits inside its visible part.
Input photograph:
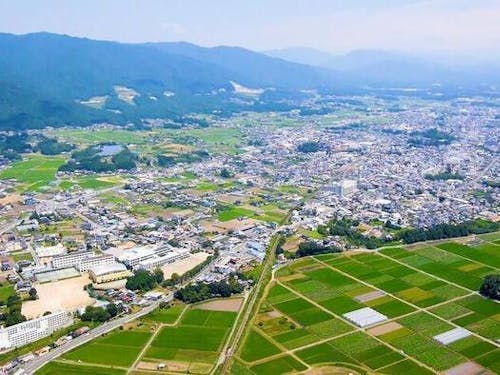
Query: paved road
(38, 362)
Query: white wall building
(82, 261)
(23, 333)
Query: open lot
(424, 291)
(181, 266)
(69, 296)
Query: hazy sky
(330, 25)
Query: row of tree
(100, 314)
(441, 231)
(197, 292)
(314, 248)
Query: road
(38, 362)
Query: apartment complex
(32, 330)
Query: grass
(34, 172)
(6, 290)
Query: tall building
(23, 333)
(343, 188)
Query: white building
(133, 257)
(23, 333)
(82, 261)
(343, 188)
(158, 261)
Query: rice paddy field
(33, 173)
(187, 339)
(422, 292)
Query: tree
(225, 173)
(95, 314)
(14, 317)
(142, 280)
(158, 274)
(33, 294)
(491, 287)
(112, 309)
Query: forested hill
(49, 79)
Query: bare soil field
(183, 265)
(59, 295)
(232, 304)
(384, 328)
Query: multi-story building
(82, 261)
(133, 257)
(23, 333)
(158, 261)
(108, 273)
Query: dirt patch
(183, 265)
(58, 295)
(467, 368)
(232, 304)
(331, 370)
(384, 328)
(370, 296)
(174, 366)
(10, 199)
(225, 226)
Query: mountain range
(50, 79)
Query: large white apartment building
(83, 261)
(23, 333)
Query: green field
(166, 316)
(186, 335)
(234, 212)
(424, 291)
(119, 348)
(58, 368)
(79, 136)
(34, 172)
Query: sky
(335, 26)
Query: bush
(490, 287)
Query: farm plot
(57, 368)
(300, 320)
(440, 262)
(194, 343)
(34, 173)
(119, 348)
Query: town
(202, 204)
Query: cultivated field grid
(426, 292)
(178, 339)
